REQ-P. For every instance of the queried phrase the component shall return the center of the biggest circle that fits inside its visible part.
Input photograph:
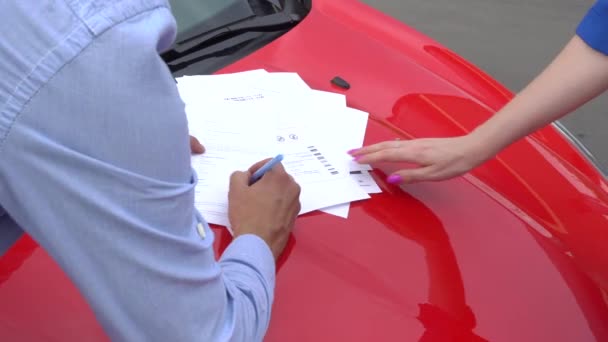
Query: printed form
(240, 126)
(246, 117)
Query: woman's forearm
(577, 75)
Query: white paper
(340, 210)
(366, 182)
(343, 128)
(320, 187)
(245, 117)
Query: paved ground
(512, 40)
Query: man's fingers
(258, 165)
(195, 146)
(239, 179)
(278, 167)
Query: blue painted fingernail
(394, 179)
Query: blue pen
(261, 171)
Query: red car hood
(514, 251)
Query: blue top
(594, 27)
(95, 166)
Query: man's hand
(195, 146)
(267, 209)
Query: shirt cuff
(252, 250)
(593, 29)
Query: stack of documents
(245, 117)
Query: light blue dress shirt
(95, 166)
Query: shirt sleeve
(96, 168)
(593, 29)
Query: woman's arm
(578, 74)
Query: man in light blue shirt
(95, 166)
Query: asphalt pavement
(511, 40)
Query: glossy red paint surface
(515, 251)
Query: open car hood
(514, 251)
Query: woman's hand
(436, 158)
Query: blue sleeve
(95, 166)
(593, 29)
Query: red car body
(517, 250)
